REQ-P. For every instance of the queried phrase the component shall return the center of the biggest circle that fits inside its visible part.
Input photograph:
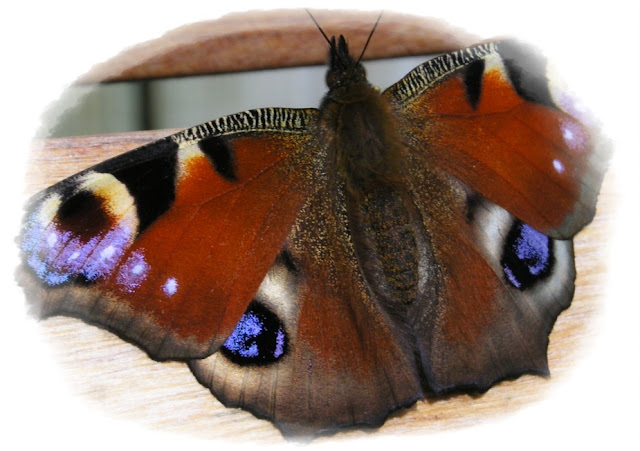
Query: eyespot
(527, 256)
(81, 235)
(259, 338)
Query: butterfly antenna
(366, 44)
(318, 26)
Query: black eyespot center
(84, 214)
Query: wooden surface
(122, 381)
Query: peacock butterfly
(323, 268)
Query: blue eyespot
(527, 256)
(258, 338)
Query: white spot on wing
(107, 252)
(558, 166)
(567, 134)
(52, 239)
(170, 286)
(573, 136)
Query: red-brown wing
(327, 355)
(488, 116)
(166, 245)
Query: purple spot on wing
(133, 272)
(240, 340)
(533, 248)
(512, 278)
(58, 255)
(279, 343)
(527, 256)
(258, 338)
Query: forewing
(489, 116)
(167, 244)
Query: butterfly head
(344, 71)
(364, 145)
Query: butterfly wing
(498, 170)
(489, 116)
(167, 244)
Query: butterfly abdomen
(384, 237)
